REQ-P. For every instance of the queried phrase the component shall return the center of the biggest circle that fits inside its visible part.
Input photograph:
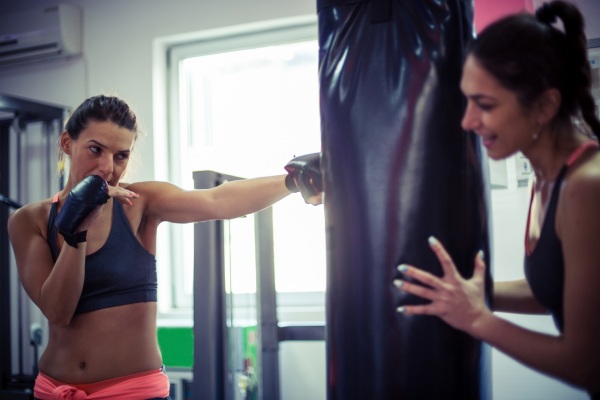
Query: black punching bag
(398, 169)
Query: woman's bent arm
(516, 297)
(54, 288)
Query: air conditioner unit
(40, 34)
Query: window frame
(173, 302)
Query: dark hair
(99, 108)
(528, 55)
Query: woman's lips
(488, 140)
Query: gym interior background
(131, 48)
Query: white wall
(118, 56)
(118, 40)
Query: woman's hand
(315, 200)
(122, 195)
(459, 302)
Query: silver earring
(536, 134)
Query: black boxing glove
(304, 175)
(88, 194)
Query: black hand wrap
(304, 175)
(88, 194)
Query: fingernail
(481, 254)
(398, 283)
(402, 267)
(401, 309)
(432, 241)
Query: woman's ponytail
(577, 78)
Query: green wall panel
(177, 346)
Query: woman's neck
(551, 151)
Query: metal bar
(209, 325)
(267, 305)
(20, 129)
(5, 339)
(211, 376)
(47, 134)
(301, 332)
(22, 112)
(30, 110)
(9, 202)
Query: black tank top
(121, 272)
(545, 266)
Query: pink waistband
(144, 385)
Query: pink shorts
(144, 385)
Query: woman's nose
(106, 165)
(470, 120)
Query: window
(244, 103)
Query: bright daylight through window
(246, 113)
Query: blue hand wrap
(88, 194)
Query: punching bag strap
(380, 10)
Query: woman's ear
(548, 105)
(65, 142)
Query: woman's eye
(95, 149)
(122, 156)
(485, 106)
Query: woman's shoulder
(586, 169)
(31, 215)
(583, 180)
(35, 209)
(147, 186)
(152, 191)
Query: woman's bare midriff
(104, 344)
